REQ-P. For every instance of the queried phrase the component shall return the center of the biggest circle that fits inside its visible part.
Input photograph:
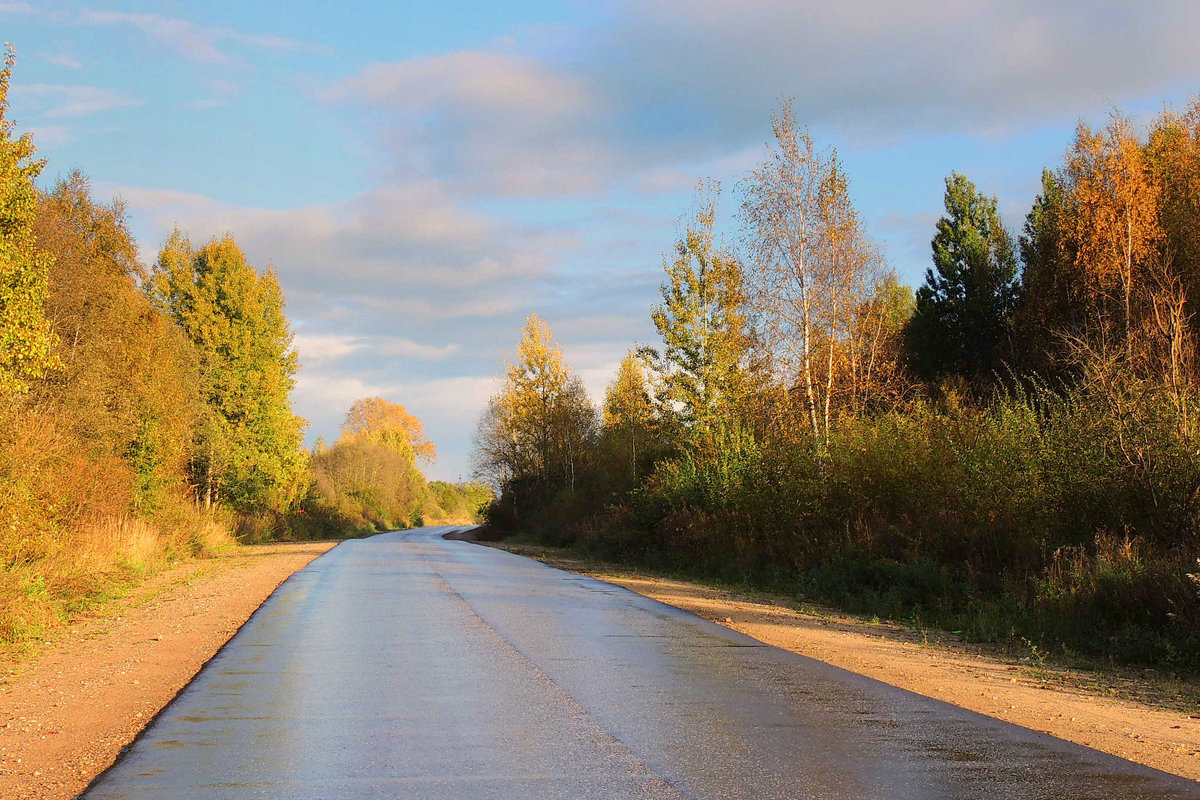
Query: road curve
(407, 666)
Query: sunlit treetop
(26, 341)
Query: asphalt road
(407, 666)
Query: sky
(423, 175)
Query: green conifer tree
(961, 324)
(1052, 304)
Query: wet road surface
(407, 666)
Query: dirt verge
(66, 713)
(1151, 719)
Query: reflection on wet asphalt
(407, 666)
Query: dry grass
(90, 564)
(68, 533)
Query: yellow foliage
(388, 424)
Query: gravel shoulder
(68, 710)
(1147, 718)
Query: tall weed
(1066, 518)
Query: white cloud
(63, 58)
(495, 123)
(461, 396)
(491, 82)
(50, 136)
(397, 347)
(317, 349)
(714, 68)
(165, 207)
(409, 249)
(196, 43)
(59, 100)
(204, 104)
(673, 87)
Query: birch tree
(540, 427)
(812, 274)
(1173, 157)
(1115, 213)
(630, 418)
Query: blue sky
(424, 175)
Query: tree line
(146, 412)
(1009, 451)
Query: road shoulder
(68, 711)
(1101, 711)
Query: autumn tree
(127, 384)
(26, 341)
(879, 376)
(499, 457)
(631, 426)
(538, 431)
(814, 274)
(701, 367)
(368, 479)
(1173, 159)
(248, 453)
(390, 425)
(1114, 214)
(961, 325)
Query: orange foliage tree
(1173, 155)
(390, 425)
(1115, 212)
